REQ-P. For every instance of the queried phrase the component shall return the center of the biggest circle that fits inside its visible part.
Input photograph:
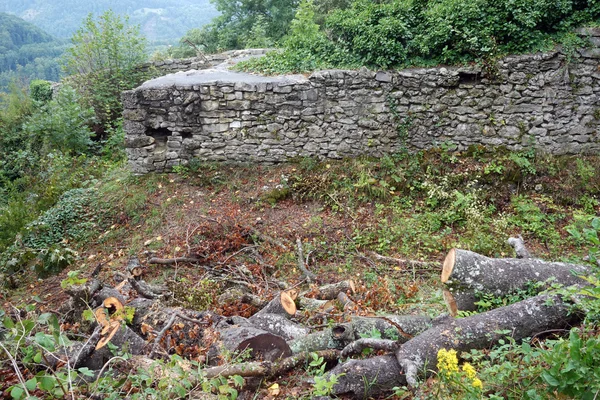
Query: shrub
(40, 90)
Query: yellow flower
(477, 383)
(469, 371)
(447, 361)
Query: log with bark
(466, 274)
(519, 320)
(259, 344)
(278, 325)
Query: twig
(399, 261)
(168, 326)
(171, 261)
(267, 238)
(17, 370)
(162, 334)
(307, 274)
(236, 253)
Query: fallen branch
(518, 244)
(310, 277)
(176, 260)
(268, 369)
(268, 239)
(400, 261)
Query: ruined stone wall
(549, 101)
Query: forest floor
(346, 215)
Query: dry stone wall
(549, 101)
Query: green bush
(40, 90)
(400, 33)
(61, 125)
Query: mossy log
(466, 273)
(519, 320)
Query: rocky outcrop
(547, 100)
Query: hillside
(26, 51)
(159, 20)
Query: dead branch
(176, 260)
(301, 265)
(518, 244)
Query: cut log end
(448, 265)
(287, 303)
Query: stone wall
(549, 100)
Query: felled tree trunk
(261, 344)
(367, 378)
(519, 320)
(398, 327)
(281, 304)
(336, 337)
(466, 273)
(279, 325)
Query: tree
(102, 63)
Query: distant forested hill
(27, 52)
(159, 19)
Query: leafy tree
(102, 63)
(238, 18)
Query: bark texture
(519, 320)
(465, 273)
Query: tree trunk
(519, 320)
(466, 273)
(367, 378)
(279, 325)
(261, 344)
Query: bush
(40, 90)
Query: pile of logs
(275, 342)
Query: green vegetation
(67, 199)
(102, 63)
(400, 33)
(27, 52)
(159, 19)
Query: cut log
(466, 273)
(147, 290)
(260, 344)
(235, 295)
(104, 294)
(519, 320)
(279, 325)
(310, 304)
(124, 338)
(371, 377)
(336, 337)
(134, 267)
(331, 291)
(359, 345)
(281, 304)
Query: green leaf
(38, 357)
(550, 380)
(86, 371)
(31, 384)
(238, 381)
(47, 383)
(8, 323)
(17, 392)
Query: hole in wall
(468, 78)
(161, 136)
(187, 135)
